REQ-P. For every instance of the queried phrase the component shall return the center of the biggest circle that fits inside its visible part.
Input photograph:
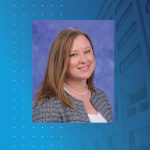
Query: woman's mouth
(84, 68)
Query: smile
(84, 67)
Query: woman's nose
(82, 58)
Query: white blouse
(98, 118)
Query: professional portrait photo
(73, 71)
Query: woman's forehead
(80, 42)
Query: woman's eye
(88, 51)
(73, 55)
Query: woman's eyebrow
(88, 47)
(74, 51)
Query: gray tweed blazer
(53, 110)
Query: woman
(67, 93)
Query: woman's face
(82, 61)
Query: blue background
(131, 130)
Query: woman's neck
(78, 86)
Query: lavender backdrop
(101, 33)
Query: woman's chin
(84, 77)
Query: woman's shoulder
(99, 91)
(103, 103)
(47, 103)
(48, 110)
(99, 95)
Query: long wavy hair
(53, 82)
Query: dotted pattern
(38, 9)
(27, 135)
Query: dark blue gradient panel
(131, 130)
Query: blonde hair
(53, 82)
